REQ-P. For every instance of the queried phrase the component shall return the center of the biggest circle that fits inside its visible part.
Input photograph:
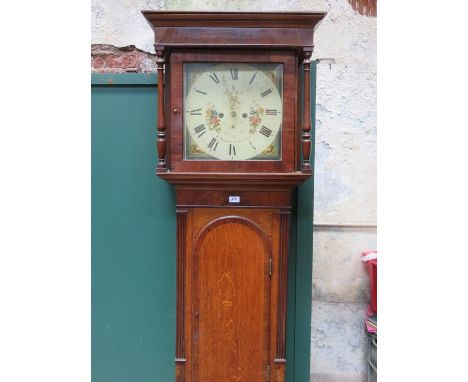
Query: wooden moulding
(240, 181)
(234, 19)
(246, 29)
(282, 286)
(180, 360)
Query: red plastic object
(372, 268)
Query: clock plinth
(233, 141)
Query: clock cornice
(292, 30)
(238, 19)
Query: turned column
(161, 124)
(306, 122)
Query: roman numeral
(232, 150)
(195, 112)
(215, 78)
(265, 131)
(271, 112)
(266, 92)
(200, 130)
(253, 77)
(213, 144)
(234, 73)
(199, 91)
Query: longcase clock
(234, 143)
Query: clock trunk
(232, 266)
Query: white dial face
(234, 111)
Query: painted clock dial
(233, 111)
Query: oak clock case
(231, 136)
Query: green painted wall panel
(304, 245)
(124, 79)
(133, 244)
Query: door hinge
(270, 271)
(268, 372)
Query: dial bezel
(207, 135)
(289, 133)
